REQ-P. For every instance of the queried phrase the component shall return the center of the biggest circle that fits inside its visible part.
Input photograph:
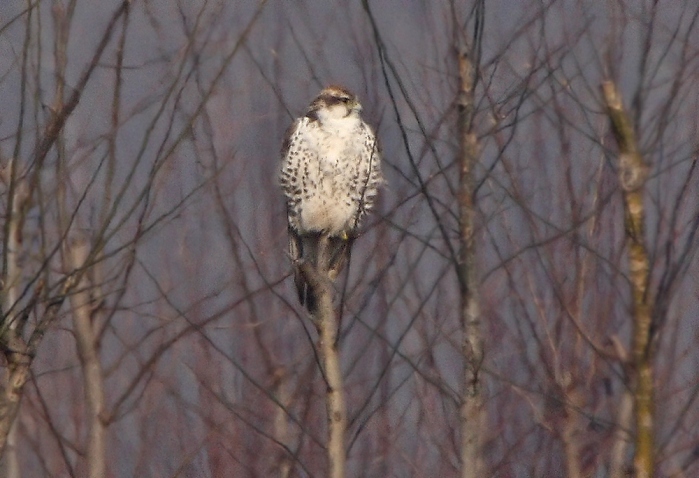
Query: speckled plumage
(330, 175)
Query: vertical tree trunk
(20, 353)
(570, 430)
(281, 429)
(632, 176)
(472, 345)
(624, 416)
(17, 376)
(86, 340)
(10, 279)
(325, 319)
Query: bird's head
(335, 103)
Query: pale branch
(86, 341)
(471, 410)
(19, 355)
(632, 176)
(325, 319)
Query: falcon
(330, 175)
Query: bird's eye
(344, 99)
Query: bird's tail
(308, 248)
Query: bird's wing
(296, 254)
(293, 150)
(296, 155)
(371, 177)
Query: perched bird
(330, 174)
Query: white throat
(332, 120)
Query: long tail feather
(306, 247)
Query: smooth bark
(632, 176)
(471, 410)
(325, 320)
(93, 381)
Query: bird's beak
(357, 107)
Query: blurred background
(144, 263)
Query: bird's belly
(326, 214)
